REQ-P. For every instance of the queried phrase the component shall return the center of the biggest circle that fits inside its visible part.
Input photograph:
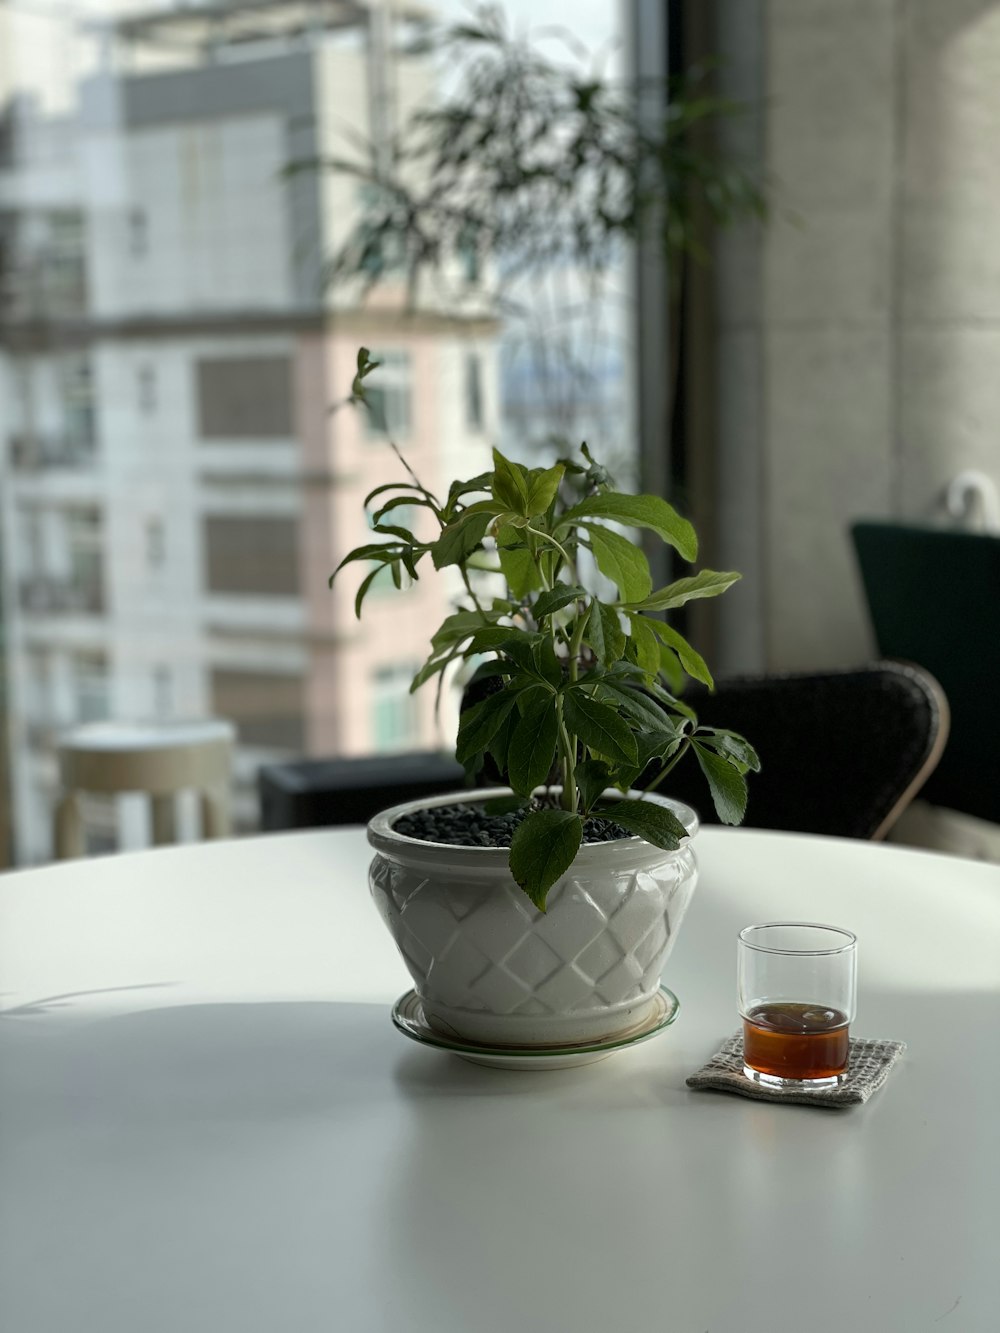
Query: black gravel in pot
(469, 825)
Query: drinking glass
(797, 985)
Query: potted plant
(543, 914)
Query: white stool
(160, 758)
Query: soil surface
(469, 825)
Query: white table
(209, 1123)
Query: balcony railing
(33, 453)
(45, 595)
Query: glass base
(806, 1084)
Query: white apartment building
(175, 488)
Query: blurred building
(175, 482)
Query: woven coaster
(868, 1068)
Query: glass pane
(178, 474)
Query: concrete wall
(857, 334)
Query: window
(89, 674)
(156, 544)
(267, 709)
(394, 717)
(38, 685)
(379, 252)
(252, 555)
(169, 364)
(85, 538)
(473, 392)
(389, 397)
(468, 253)
(146, 385)
(245, 398)
(163, 692)
(77, 391)
(138, 233)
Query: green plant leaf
(671, 669)
(599, 727)
(693, 663)
(542, 488)
(461, 624)
(730, 744)
(639, 511)
(534, 655)
(621, 561)
(559, 596)
(533, 745)
(478, 725)
(647, 649)
(494, 666)
(548, 665)
(706, 583)
(604, 633)
(542, 849)
(435, 663)
(638, 705)
(459, 488)
(366, 583)
(460, 538)
(653, 822)
(517, 563)
(400, 486)
(491, 637)
(593, 778)
(383, 551)
(400, 502)
(656, 745)
(499, 746)
(727, 785)
(510, 484)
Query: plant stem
(567, 744)
(469, 589)
(686, 745)
(574, 647)
(547, 537)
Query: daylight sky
(597, 23)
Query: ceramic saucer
(408, 1016)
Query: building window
(254, 555)
(245, 398)
(389, 396)
(394, 716)
(267, 708)
(146, 384)
(85, 539)
(468, 254)
(89, 674)
(138, 233)
(156, 544)
(473, 392)
(38, 685)
(77, 393)
(163, 692)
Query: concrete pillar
(858, 332)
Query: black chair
(933, 596)
(313, 793)
(842, 752)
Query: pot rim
(384, 838)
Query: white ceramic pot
(490, 968)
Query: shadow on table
(64, 1001)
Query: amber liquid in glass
(791, 1040)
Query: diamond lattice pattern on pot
(497, 953)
